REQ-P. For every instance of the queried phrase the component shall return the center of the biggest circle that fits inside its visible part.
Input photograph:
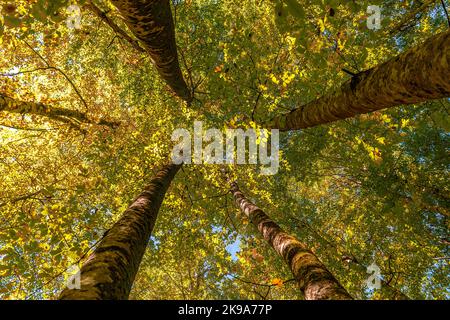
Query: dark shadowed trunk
(417, 75)
(315, 281)
(152, 23)
(110, 270)
(59, 114)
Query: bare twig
(119, 32)
(446, 12)
(60, 71)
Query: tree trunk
(60, 114)
(315, 281)
(417, 75)
(152, 23)
(109, 272)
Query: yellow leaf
(274, 79)
(385, 118)
(262, 87)
(277, 282)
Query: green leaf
(12, 22)
(38, 12)
(295, 9)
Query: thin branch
(76, 262)
(446, 12)
(119, 32)
(23, 197)
(188, 69)
(25, 129)
(23, 72)
(60, 71)
(265, 82)
(405, 22)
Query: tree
(151, 22)
(315, 281)
(374, 185)
(414, 76)
(110, 270)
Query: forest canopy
(91, 92)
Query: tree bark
(152, 23)
(60, 114)
(417, 75)
(109, 272)
(102, 15)
(315, 281)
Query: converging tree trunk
(417, 75)
(315, 281)
(109, 272)
(59, 114)
(152, 23)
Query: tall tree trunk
(417, 75)
(152, 23)
(60, 114)
(315, 281)
(109, 272)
